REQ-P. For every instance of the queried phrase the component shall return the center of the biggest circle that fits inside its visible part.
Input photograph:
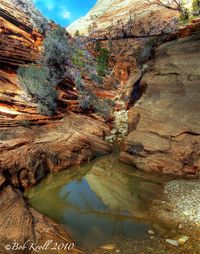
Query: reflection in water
(98, 200)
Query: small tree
(77, 33)
(102, 62)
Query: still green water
(99, 201)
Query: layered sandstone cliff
(108, 13)
(108, 18)
(20, 44)
(32, 145)
(165, 127)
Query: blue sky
(64, 12)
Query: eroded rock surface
(108, 12)
(166, 129)
(28, 154)
(21, 224)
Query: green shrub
(56, 52)
(89, 102)
(77, 33)
(40, 85)
(102, 62)
(25, 123)
(184, 16)
(78, 58)
(97, 79)
(196, 7)
(104, 107)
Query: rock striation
(50, 148)
(21, 44)
(20, 224)
(165, 135)
(108, 12)
(108, 18)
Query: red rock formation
(20, 44)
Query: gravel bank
(180, 202)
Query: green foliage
(89, 102)
(104, 107)
(56, 51)
(78, 58)
(97, 46)
(97, 79)
(102, 62)
(40, 85)
(77, 33)
(184, 16)
(196, 7)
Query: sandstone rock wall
(167, 117)
(28, 154)
(106, 14)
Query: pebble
(183, 239)
(151, 232)
(172, 242)
(108, 247)
(180, 226)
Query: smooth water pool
(99, 201)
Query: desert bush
(196, 7)
(78, 58)
(38, 82)
(102, 62)
(97, 79)
(56, 52)
(184, 16)
(104, 107)
(25, 123)
(89, 102)
(77, 33)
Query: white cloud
(65, 14)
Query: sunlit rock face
(83, 23)
(165, 136)
(107, 18)
(108, 12)
(21, 44)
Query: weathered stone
(51, 148)
(23, 225)
(168, 112)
